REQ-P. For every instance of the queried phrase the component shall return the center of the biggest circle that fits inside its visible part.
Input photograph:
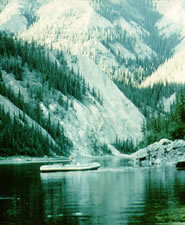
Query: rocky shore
(164, 152)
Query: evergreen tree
(1, 77)
(177, 125)
(169, 125)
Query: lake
(116, 193)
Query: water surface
(116, 193)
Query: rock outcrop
(160, 153)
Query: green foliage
(97, 96)
(12, 65)
(171, 125)
(100, 149)
(15, 54)
(158, 123)
(148, 99)
(35, 112)
(1, 78)
(105, 149)
(125, 146)
(177, 119)
(18, 139)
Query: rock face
(160, 153)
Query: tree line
(169, 125)
(17, 138)
(149, 99)
(158, 124)
(18, 56)
(15, 54)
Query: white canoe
(69, 167)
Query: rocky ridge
(164, 152)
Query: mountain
(119, 36)
(172, 70)
(88, 45)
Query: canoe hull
(68, 168)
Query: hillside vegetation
(16, 136)
(92, 77)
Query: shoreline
(27, 159)
(164, 152)
(46, 159)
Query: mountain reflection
(98, 197)
(114, 194)
(119, 195)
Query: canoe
(69, 167)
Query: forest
(158, 124)
(170, 125)
(21, 59)
(15, 56)
(18, 56)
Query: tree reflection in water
(114, 194)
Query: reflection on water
(96, 196)
(114, 194)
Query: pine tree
(177, 126)
(1, 77)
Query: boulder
(161, 153)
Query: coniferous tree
(177, 125)
(169, 125)
(1, 77)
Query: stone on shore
(164, 152)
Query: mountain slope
(90, 118)
(173, 70)
(100, 40)
(120, 37)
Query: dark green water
(114, 194)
